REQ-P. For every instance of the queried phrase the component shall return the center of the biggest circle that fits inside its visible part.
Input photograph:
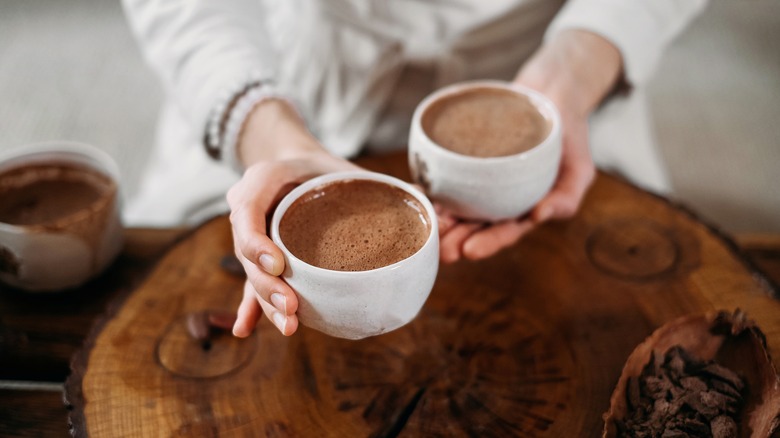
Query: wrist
(596, 61)
(579, 68)
(609, 62)
(274, 131)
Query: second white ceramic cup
(358, 304)
(56, 258)
(492, 188)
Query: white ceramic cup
(358, 304)
(48, 258)
(486, 188)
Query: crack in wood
(309, 378)
(400, 420)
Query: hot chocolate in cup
(486, 150)
(361, 252)
(59, 215)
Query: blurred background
(71, 70)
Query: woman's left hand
(575, 70)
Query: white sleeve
(202, 49)
(640, 29)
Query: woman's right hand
(279, 153)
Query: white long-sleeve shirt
(357, 69)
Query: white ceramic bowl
(358, 304)
(38, 259)
(486, 188)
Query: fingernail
(280, 302)
(236, 330)
(267, 262)
(280, 321)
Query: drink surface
(485, 122)
(354, 225)
(43, 194)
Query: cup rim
(350, 175)
(67, 151)
(539, 100)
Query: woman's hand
(279, 154)
(576, 71)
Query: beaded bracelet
(237, 119)
(225, 101)
(227, 120)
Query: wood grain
(40, 332)
(528, 343)
(32, 414)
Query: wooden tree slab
(528, 343)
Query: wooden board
(528, 343)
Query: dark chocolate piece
(723, 374)
(723, 426)
(677, 396)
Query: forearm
(274, 131)
(579, 66)
(598, 62)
